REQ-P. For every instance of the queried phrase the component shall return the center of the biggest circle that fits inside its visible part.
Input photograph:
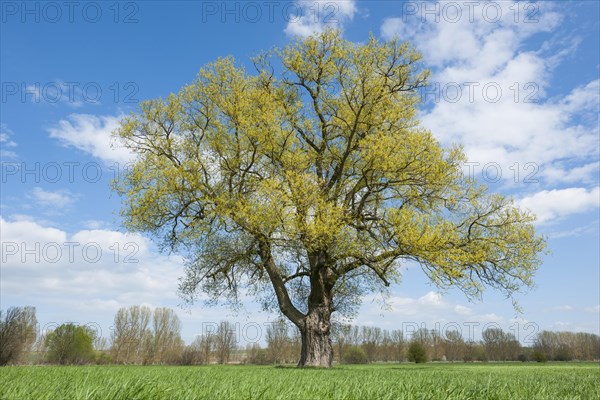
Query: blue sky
(516, 83)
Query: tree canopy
(309, 180)
(71, 344)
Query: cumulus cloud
(578, 231)
(27, 230)
(489, 85)
(93, 135)
(58, 200)
(89, 274)
(462, 310)
(6, 142)
(59, 91)
(99, 265)
(94, 224)
(552, 205)
(314, 16)
(428, 304)
(558, 172)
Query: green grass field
(399, 381)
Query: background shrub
(355, 355)
(417, 353)
(71, 344)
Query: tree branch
(283, 297)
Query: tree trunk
(314, 326)
(317, 350)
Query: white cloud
(99, 305)
(560, 308)
(430, 303)
(489, 318)
(89, 265)
(593, 309)
(578, 231)
(586, 173)
(59, 199)
(77, 287)
(432, 299)
(315, 15)
(551, 205)
(5, 134)
(473, 39)
(462, 310)
(6, 142)
(93, 135)
(26, 230)
(107, 238)
(94, 224)
(489, 92)
(59, 91)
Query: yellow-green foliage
(318, 152)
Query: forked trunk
(317, 350)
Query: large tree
(309, 180)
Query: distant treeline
(143, 336)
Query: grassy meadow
(382, 381)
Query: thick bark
(317, 350)
(315, 330)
